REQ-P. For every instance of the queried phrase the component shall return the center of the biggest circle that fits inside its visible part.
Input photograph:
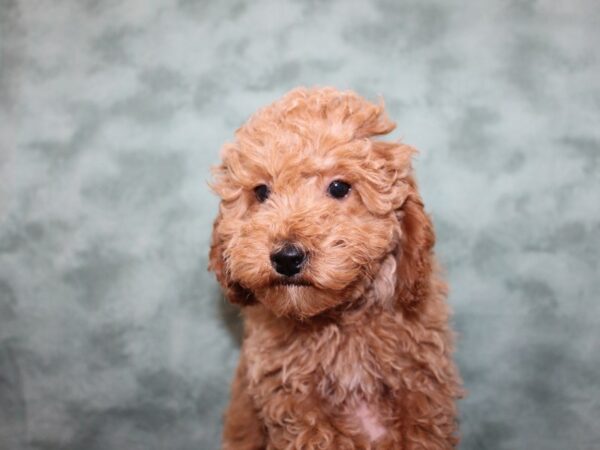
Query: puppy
(323, 241)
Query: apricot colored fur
(361, 357)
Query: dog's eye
(262, 192)
(338, 189)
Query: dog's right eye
(338, 189)
(261, 192)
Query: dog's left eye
(338, 189)
(262, 192)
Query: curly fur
(360, 356)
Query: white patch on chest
(369, 421)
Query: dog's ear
(398, 191)
(415, 249)
(233, 291)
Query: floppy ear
(415, 250)
(396, 190)
(233, 291)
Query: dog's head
(314, 211)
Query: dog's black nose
(289, 260)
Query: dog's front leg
(426, 418)
(243, 430)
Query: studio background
(112, 333)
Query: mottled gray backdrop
(112, 333)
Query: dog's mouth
(291, 282)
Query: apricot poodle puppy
(322, 238)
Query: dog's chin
(298, 299)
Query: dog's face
(311, 206)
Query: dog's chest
(350, 370)
(352, 383)
(340, 368)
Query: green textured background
(112, 333)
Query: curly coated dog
(322, 238)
